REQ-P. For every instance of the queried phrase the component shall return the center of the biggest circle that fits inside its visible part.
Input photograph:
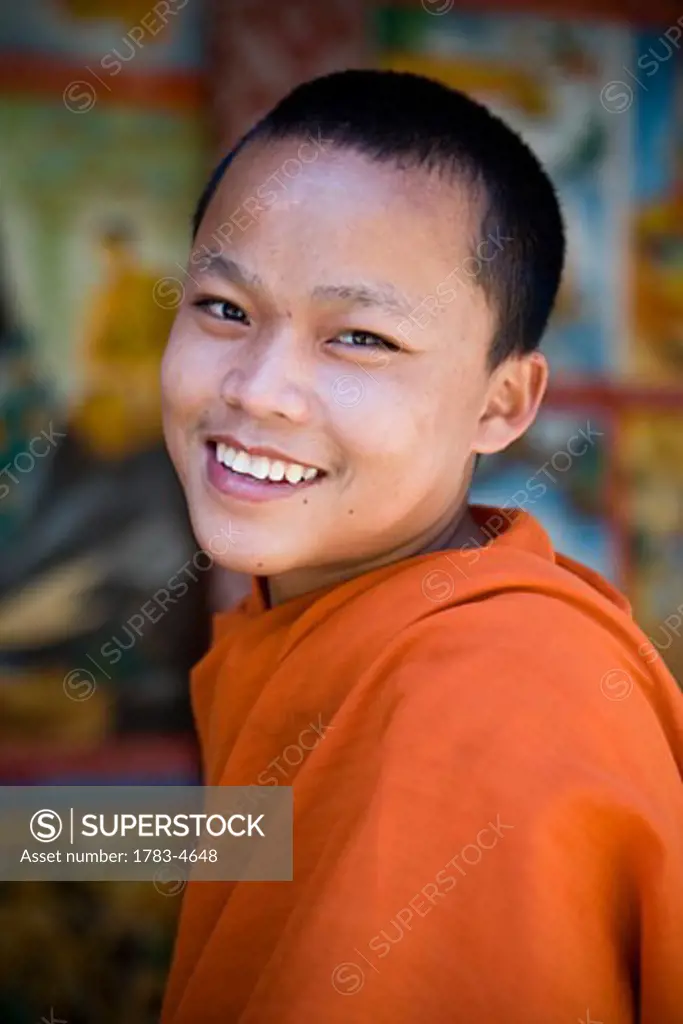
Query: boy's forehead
(296, 225)
(311, 183)
(307, 231)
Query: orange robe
(486, 760)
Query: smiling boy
(488, 812)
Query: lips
(256, 475)
(261, 466)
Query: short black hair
(413, 121)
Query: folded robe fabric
(486, 759)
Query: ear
(515, 392)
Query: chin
(237, 548)
(256, 564)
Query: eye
(364, 339)
(221, 309)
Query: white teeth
(294, 473)
(225, 454)
(277, 471)
(262, 468)
(242, 463)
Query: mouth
(257, 474)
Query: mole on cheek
(350, 511)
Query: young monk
(485, 752)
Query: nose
(268, 380)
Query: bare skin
(322, 292)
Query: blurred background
(112, 113)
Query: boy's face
(321, 255)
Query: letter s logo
(46, 826)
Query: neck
(454, 531)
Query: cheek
(387, 428)
(187, 377)
(188, 389)
(409, 429)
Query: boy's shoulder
(520, 668)
(526, 629)
(527, 695)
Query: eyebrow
(232, 271)
(383, 296)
